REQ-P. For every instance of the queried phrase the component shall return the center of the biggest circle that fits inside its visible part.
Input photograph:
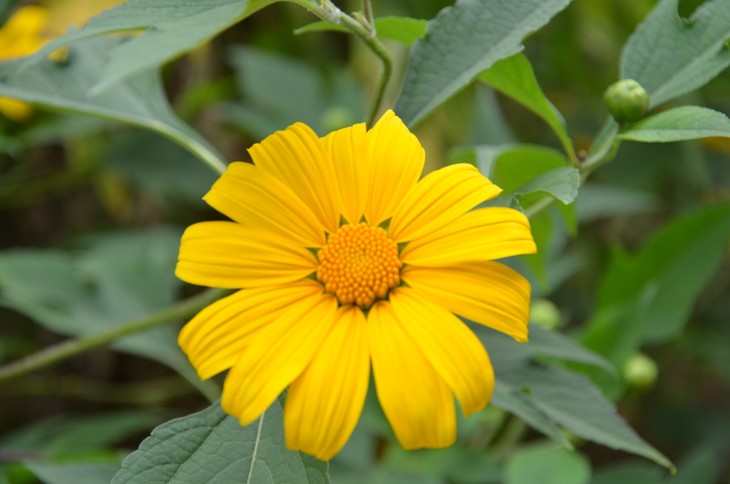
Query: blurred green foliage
(91, 211)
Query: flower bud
(544, 313)
(626, 100)
(640, 371)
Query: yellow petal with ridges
(482, 234)
(217, 336)
(228, 255)
(324, 404)
(348, 149)
(297, 157)
(276, 356)
(450, 346)
(439, 198)
(414, 398)
(487, 292)
(257, 199)
(396, 162)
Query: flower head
(346, 261)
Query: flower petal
(487, 292)
(277, 355)
(228, 255)
(257, 199)
(396, 162)
(217, 336)
(348, 149)
(453, 350)
(324, 403)
(297, 157)
(439, 198)
(417, 402)
(479, 235)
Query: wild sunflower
(344, 259)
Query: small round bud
(626, 100)
(640, 371)
(544, 313)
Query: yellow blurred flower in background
(345, 260)
(31, 26)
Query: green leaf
(655, 290)
(463, 41)
(324, 100)
(517, 401)
(598, 201)
(62, 436)
(547, 464)
(679, 124)
(320, 26)
(515, 78)
(561, 184)
(73, 472)
(553, 344)
(169, 29)
(670, 56)
(402, 29)
(139, 101)
(118, 278)
(210, 446)
(573, 402)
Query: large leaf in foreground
(463, 41)
(679, 124)
(209, 446)
(670, 56)
(64, 86)
(170, 29)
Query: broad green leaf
(700, 467)
(463, 41)
(549, 397)
(403, 29)
(515, 78)
(139, 100)
(573, 402)
(670, 56)
(553, 344)
(659, 286)
(598, 201)
(63, 436)
(73, 472)
(324, 100)
(119, 277)
(169, 29)
(210, 446)
(679, 124)
(517, 401)
(547, 464)
(561, 184)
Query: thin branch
(67, 349)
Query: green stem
(67, 349)
(364, 30)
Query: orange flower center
(359, 264)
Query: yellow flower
(346, 260)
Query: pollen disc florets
(359, 264)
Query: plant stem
(365, 30)
(67, 349)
